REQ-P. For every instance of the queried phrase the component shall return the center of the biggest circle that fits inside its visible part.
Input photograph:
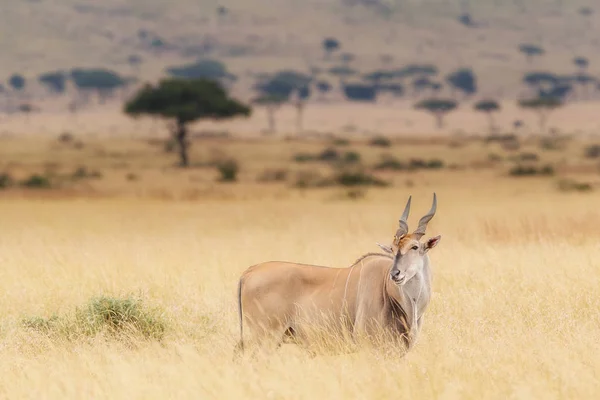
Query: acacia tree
(438, 107)
(299, 99)
(488, 107)
(185, 101)
(330, 45)
(271, 103)
(543, 105)
(530, 51)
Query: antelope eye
(415, 248)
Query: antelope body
(388, 291)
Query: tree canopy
(207, 69)
(360, 92)
(185, 101)
(283, 83)
(96, 79)
(438, 107)
(463, 79)
(55, 81)
(330, 45)
(17, 82)
(487, 106)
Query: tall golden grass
(514, 312)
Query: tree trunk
(181, 136)
(491, 120)
(271, 117)
(542, 122)
(439, 120)
(300, 115)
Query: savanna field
(120, 230)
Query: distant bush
(569, 185)
(389, 162)
(356, 194)
(553, 143)
(592, 151)
(311, 178)
(132, 177)
(527, 157)
(493, 157)
(511, 145)
(500, 138)
(341, 142)
(36, 181)
(273, 175)
(114, 317)
(329, 154)
(6, 181)
(380, 141)
(304, 157)
(228, 170)
(358, 178)
(351, 157)
(521, 170)
(65, 137)
(84, 173)
(435, 164)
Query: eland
(386, 292)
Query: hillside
(260, 35)
(142, 39)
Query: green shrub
(380, 141)
(358, 178)
(389, 162)
(273, 175)
(356, 194)
(132, 177)
(553, 143)
(115, 317)
(6, 181)
(311, 178)
(528, 157)
(341, 142)
(36, 181)
(84, 173)
(228, 169)
(493, 157)
(329, 155)
(66, 137)
(304, 157)
(435, 164)
(417, 163)
(568, 185)
(351, 157)
(522, 170)
(592, 151)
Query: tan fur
(279, 297)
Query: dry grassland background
(118, 269)
(515, 306)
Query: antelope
(389, 291)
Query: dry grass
(514, 312)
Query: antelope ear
(386, 248)
(432, 242)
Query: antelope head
(408, 250)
